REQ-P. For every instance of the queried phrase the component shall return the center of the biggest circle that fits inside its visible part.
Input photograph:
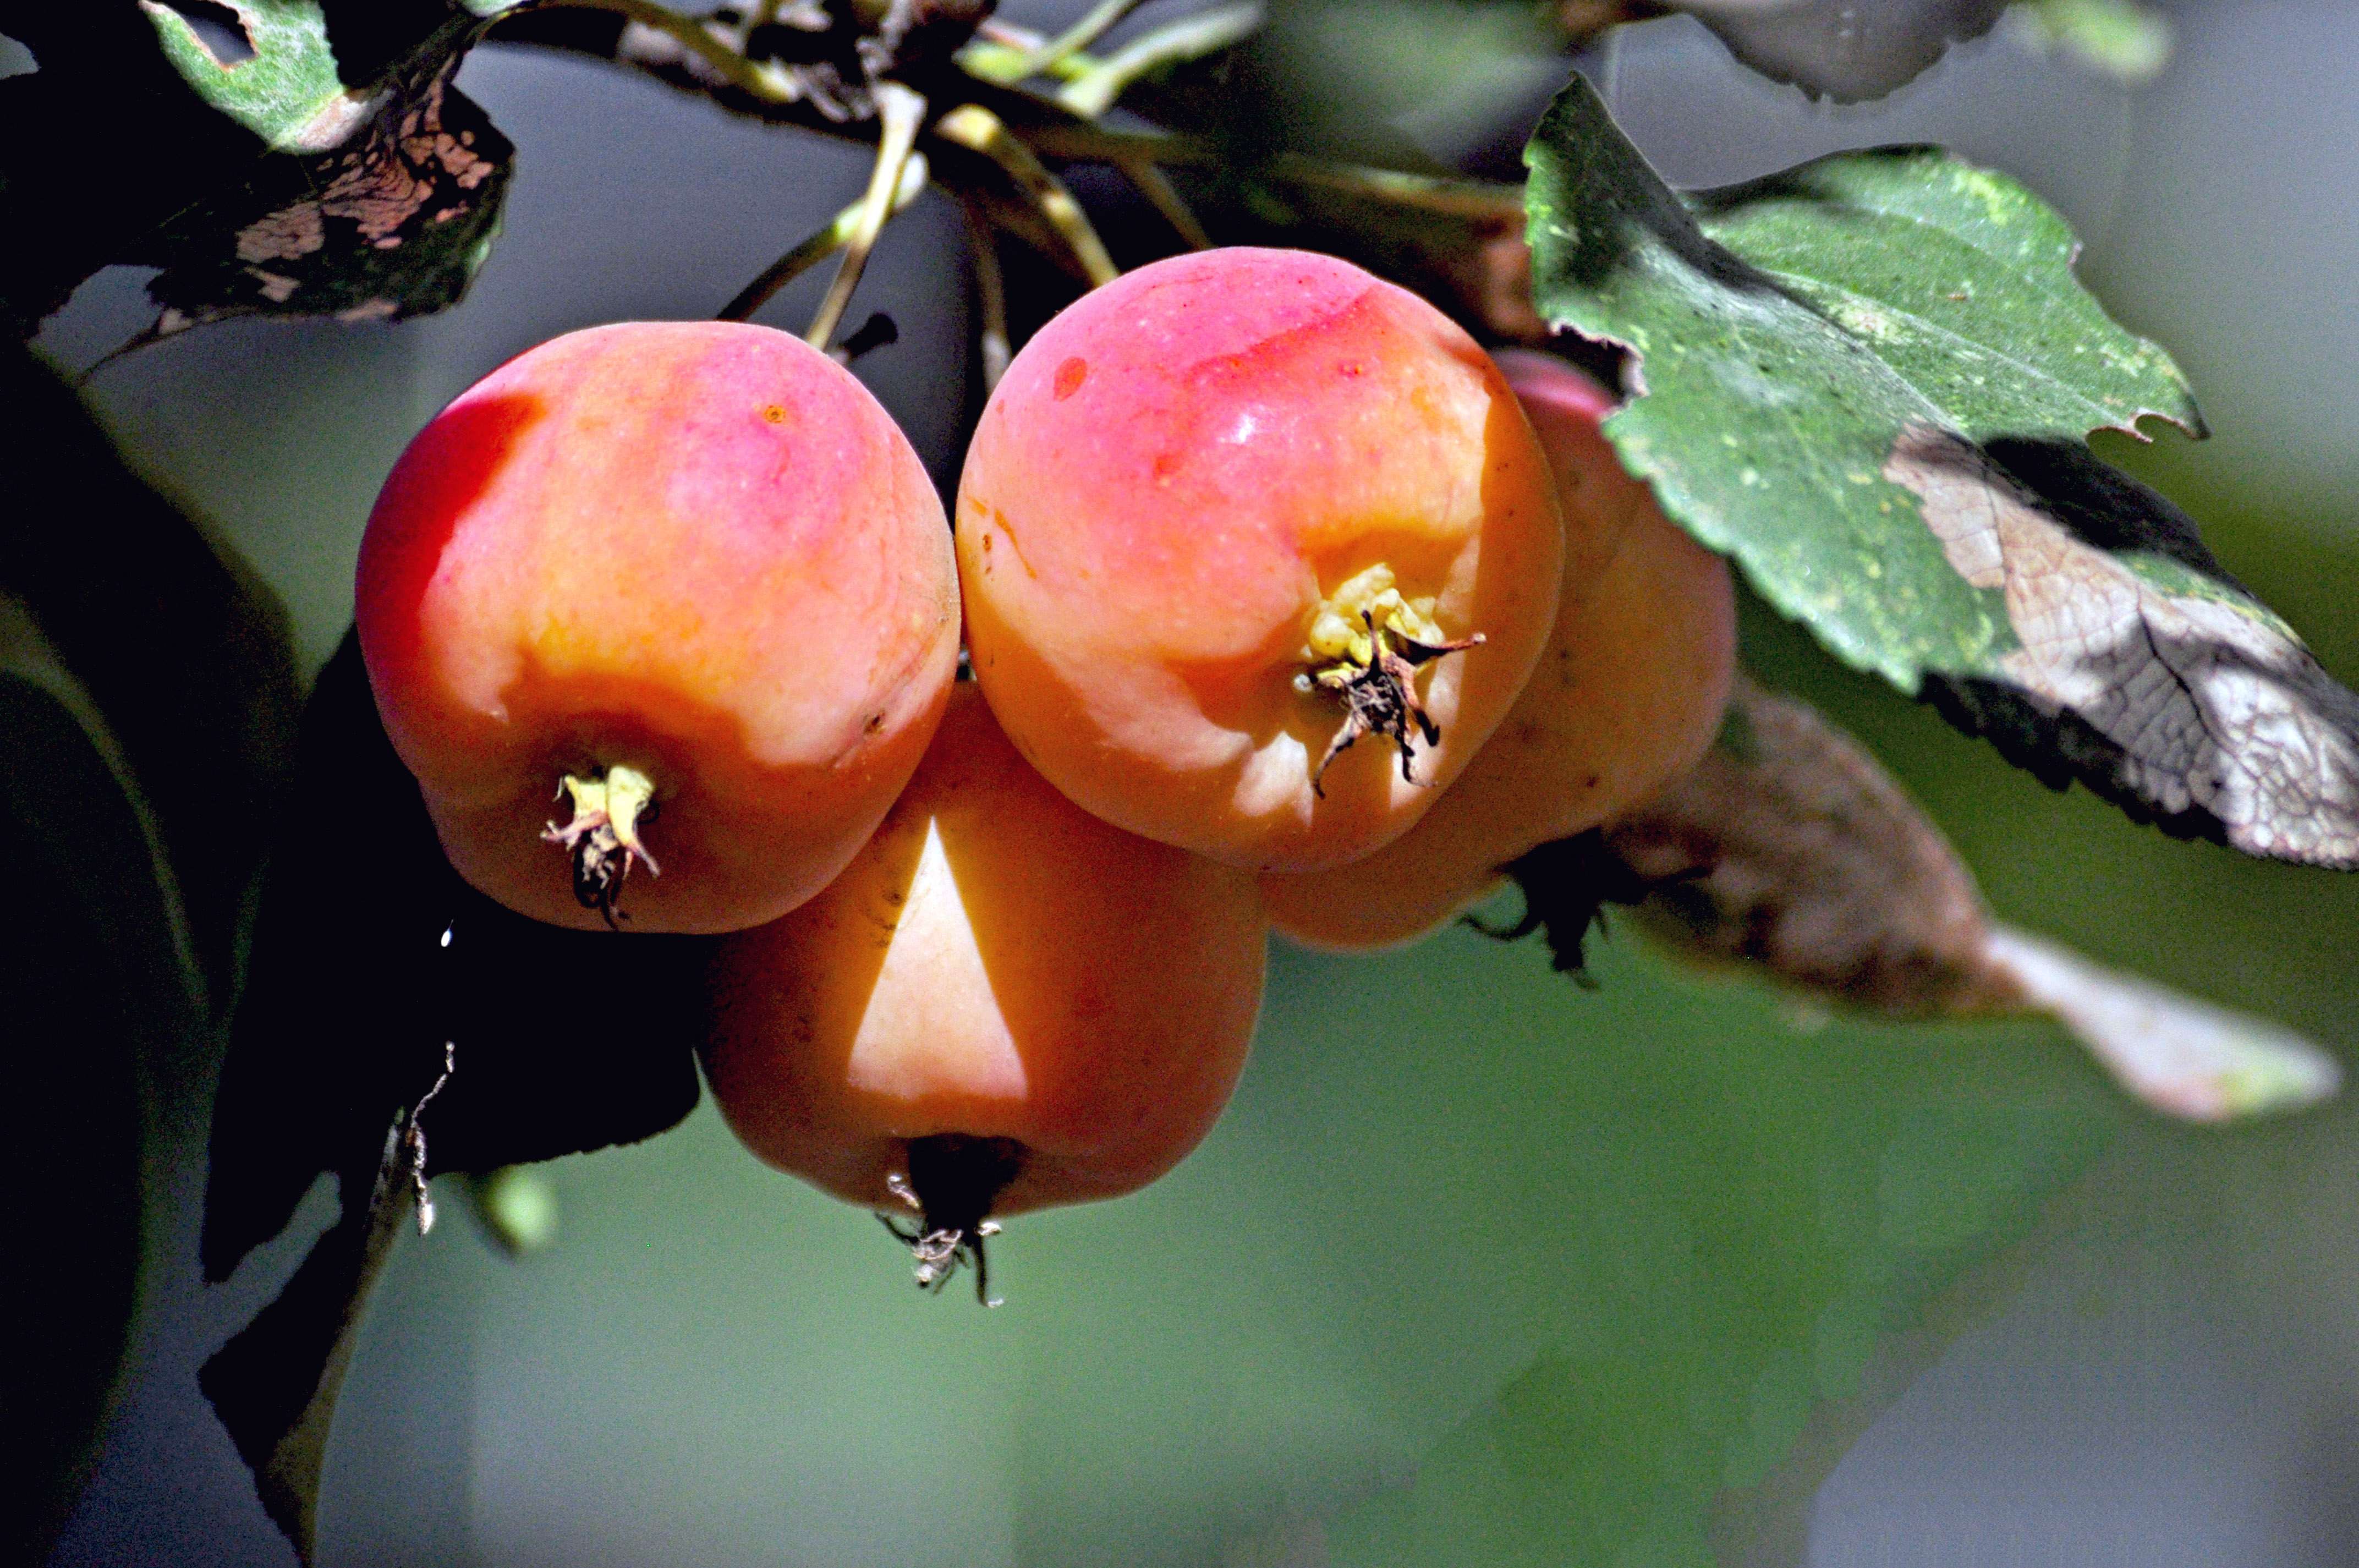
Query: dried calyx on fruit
(951, 1183)
(1371, 667)
(1628, 694)
(602, 835)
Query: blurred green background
(1480, 1268)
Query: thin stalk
(1455, 198)
(825, 243)
(1078, 37)
(977, 129)
(691, 33)
(1426, 192)
(899, 111)
(989, 294)
(1156, 187)
(1192, 37)
(1004, 63)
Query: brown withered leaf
(1790, 846)
(1791, 851)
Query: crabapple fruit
(691, 567)
(1232, 512)
(1002, 1003)
(1627, 696)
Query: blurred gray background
(716, 1364)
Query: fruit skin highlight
(1627, 697)
(700, 552)
(999, 967)
(1172, 481)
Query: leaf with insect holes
(287, 91)
(392, 224)
(1868, 379)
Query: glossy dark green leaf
(370, 953)
(374, 970)
(103, 998)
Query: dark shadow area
(97, 1002)
(563, 1040)
(179, 644)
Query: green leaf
(1855, 377)
(1893, 289)
(288, 94)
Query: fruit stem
(901, 111)
(604, 834)
(952, 1181)
(1365, 644)
(977, 129)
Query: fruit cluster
(1285, 603)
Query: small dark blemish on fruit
(1351, 368)
(775, 414)
(1070, 377)
(875, 722)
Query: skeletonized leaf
(2187, 700)
(286, 90)
(1852, 373)
(1788, 850)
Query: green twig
(764, 82)
(977, 129)
(899, 111)
(1479, 199)
(1072, 41)
(989, 293)
(1192, 37)
(1156, 187)
(819, 246)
